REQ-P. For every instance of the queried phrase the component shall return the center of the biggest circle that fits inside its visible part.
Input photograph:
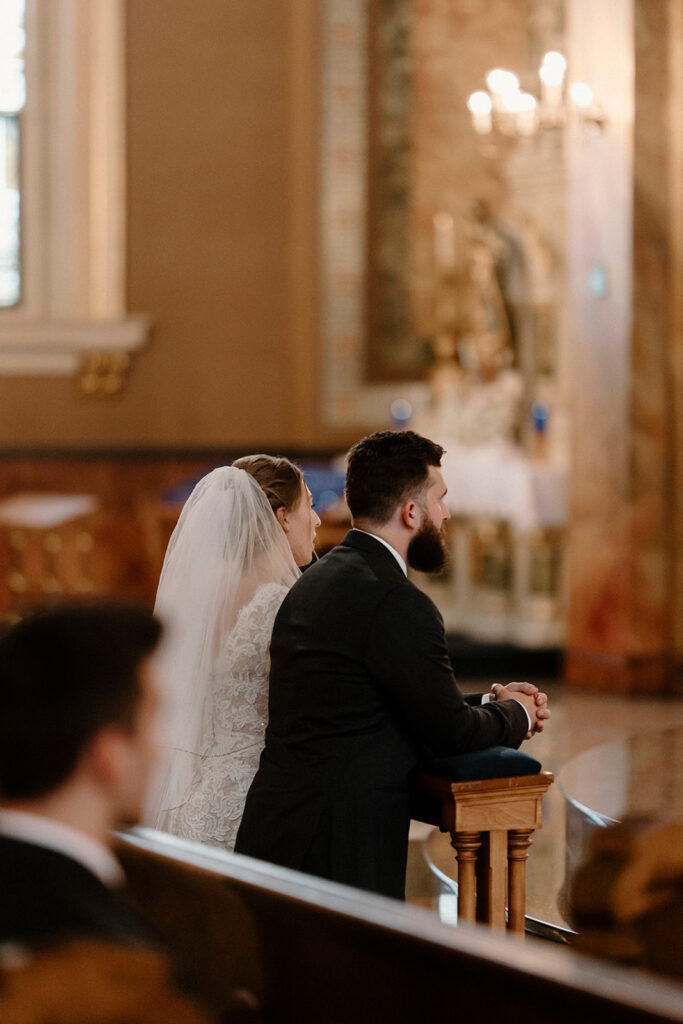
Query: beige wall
(210, 232)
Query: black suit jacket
(360, 681)
(46, 897)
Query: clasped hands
(529, 696)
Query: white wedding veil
(226, 545)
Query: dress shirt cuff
(528, 716)
(486, 697)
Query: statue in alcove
(475, 389)
(483, 328)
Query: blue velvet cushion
(494, 763)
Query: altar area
(506, 536)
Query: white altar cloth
(499, 481)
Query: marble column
(624, 296)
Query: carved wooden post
(466, 845)
(491, 878)
(519, 841)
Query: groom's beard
(427, 551)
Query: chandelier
(506, 108)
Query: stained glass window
(12, 97)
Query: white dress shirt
(53, 835)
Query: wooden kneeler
(491, 822)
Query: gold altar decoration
(103, 374)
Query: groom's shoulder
(347, 567)
(341, 562)
(367, 576)
(361, 557)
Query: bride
(230, 561)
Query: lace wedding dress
(227, 569)
(237, 713)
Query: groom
(360, 681)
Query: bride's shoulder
(269, 592)
(268, 596)
(255, 620)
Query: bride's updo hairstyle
(279, 479)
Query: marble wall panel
(621, 550)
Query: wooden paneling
(137, 506)
(208, 93)
(124, 487)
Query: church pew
(626, 899)
(263, 943)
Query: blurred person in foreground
(77, 744)
(78, 700)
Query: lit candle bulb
(583, 99)
(508, 117)
(527, 114)
(501, 83)
(444, 243)
(581, 94)
(551, 73)
(479, 105)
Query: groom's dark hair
(385, 469)
(65, 673)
